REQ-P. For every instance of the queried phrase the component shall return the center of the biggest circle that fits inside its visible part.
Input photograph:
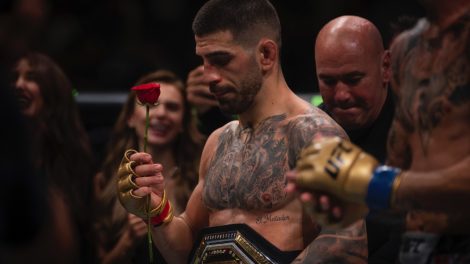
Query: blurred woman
(62, 153)
(173, 141)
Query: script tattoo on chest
(432, 71)
(248, 168)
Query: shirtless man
(242, 173)
(429, 140)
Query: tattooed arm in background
(342, 246)
(429, 137)
(430, 133)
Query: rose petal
(147, 93)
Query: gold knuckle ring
(127, 183)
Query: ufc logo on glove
(334, 162)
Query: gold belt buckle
(231, 246)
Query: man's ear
(386, 66)
(268, 53)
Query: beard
(248, 89)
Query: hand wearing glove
(339, 167)
(132, 188)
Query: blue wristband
(380, 187)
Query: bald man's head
(353, 70)
(350, 32)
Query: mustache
(349, 104)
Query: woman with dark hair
(173, 140)
(61, 152)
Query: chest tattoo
(248, 168)
(435, 76)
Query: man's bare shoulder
(314, 120)
(311, 124)
(230, 127)
(401, 48)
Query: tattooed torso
(248, 167)
(431, 70)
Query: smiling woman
(173, 140)
(28, 92)
(61, 153)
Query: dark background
(105, 45)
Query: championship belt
(236, 243)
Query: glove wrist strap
(165, 214)
(381, 187)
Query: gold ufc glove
(338, 167)
(126, 184)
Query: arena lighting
(117, 98)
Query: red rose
(147, 93)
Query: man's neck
(272, 99)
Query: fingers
(337, 213)
(148, 177)
(145, 170)
(198, 88)
(151, 180)
(324, 203)
(291, 175)
(196, 78)
(137, 226)
(141, 158)
(199, 96)
(133, 219)
(144, 191)
(307, 197)
(322, 207)
(143, 165)
(197, 72)
(291, 186)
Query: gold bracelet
(165, 217)
(160, 207)
(170, 215)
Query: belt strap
(236, 243)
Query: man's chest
(436, 80)
(248, 171)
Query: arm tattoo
(343, 246)
(300, 131)
(398, 148)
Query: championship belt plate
(236, 243)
